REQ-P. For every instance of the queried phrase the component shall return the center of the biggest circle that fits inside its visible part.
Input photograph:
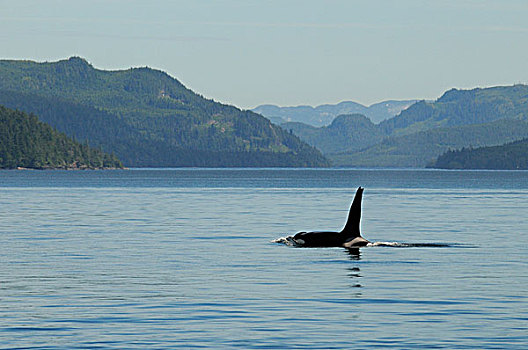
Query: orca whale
(348, 237)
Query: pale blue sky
(285, 52)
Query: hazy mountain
(324, 114)
(421, 148)
(419, 134)
(346, 133)
(511, 156)
(461, 107)
(28, 143)
(147, 117)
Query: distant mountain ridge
(147, 117)
(420, 133)
(462, 107)
(419, 149)
(350, 132)
(323, 115)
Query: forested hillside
(28, 143)
(419, 134)
(346, 133)
(148, 118)
(513, 156)
(461, 107)
(420, 149)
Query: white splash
(386, 244)
(287, 240)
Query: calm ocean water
(161, 259)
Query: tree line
(28, 143)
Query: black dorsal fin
(351, 228)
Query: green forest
(512, 156)
(421, 148)
(25, 142)
(147, 118)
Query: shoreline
(69, 168)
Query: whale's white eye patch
(299, 241)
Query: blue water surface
(182, 258)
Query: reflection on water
(354, 254)
(354, 274)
